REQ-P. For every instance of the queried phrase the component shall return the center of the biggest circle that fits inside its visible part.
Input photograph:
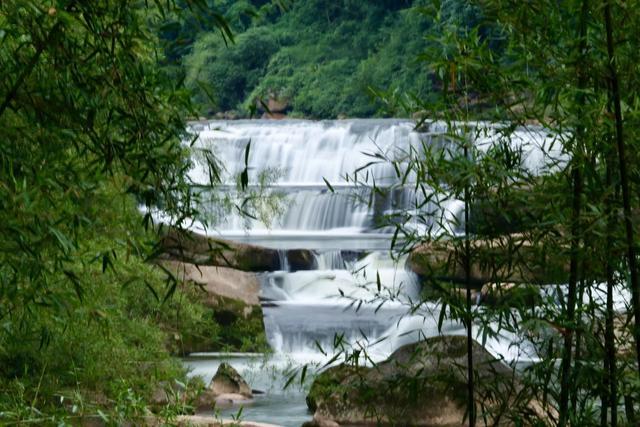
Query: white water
(308, 154)
(302, 155)
(309, 315)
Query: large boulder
(275, 107)
(504, 259)
(228, 381)
(229, 301)
(423, 384)
(218, 282)
(278, 104)
(193, 248)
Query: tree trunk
(624, 180)
(576, 177)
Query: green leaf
(441, 316)
(303, 374)
(76, 283)
(328, 185)
(152, 290)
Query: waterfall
(330, 260)
(322, 173)
(284, 260)
(295, 160)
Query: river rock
(227, 387)
(421, 384)
(275, 107)
(193, 248)
(277, 104)
(232, 297)
(228, 381)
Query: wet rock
(301, 259)
(228, 381)
(227, 388)
(421, 384)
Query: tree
(91, 127)
(563, 73)
(566, 70)
(83, 105)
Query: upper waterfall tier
(292, 161)
(308, 152)
(305, 152)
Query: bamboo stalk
(624, 179)
(577, 182)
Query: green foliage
(83, 101)
(97, 344)
(552, 67)
(112, 349)
(230, 73)
(320, 56)
(92, 131)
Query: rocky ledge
(193, 248)
(505, 259)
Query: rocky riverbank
(422, 384)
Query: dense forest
(104, 285)
(323, 59)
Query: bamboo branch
(26, 72)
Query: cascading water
(358, 293)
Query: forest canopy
(321, 57)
